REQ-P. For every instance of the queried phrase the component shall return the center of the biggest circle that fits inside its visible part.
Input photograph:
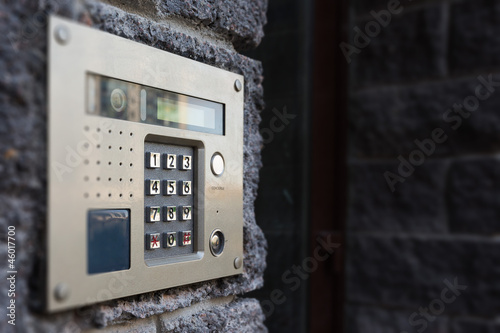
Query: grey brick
(410, 272)
(476, 325)
(474, 196)
(386, 121)
(474, 35)
(361, 319)
(416, 205)
(411, 47)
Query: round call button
(217, 164)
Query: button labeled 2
(170, 161)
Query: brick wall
(210, 32)
(437, 224)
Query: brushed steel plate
(84, 172)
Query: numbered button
(169, 239)
(170, 161)
(186, 213)
(169, 213)
(185, 238)
(153, 214)
(186, 162)
(153, 241)
(185, 187)
(170, 186)
(153, 160)
(153, 186)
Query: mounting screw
(62, 35)
(238, 262)
(237, 85)
(61, 292)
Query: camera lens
(118, 100)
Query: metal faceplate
(97, 169)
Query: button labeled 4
(153, 186)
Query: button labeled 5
(169, 187)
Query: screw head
(61, 292)
(62, 35)
(237, 85)
(238, 262)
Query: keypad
(169, 219)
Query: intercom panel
(145, 169)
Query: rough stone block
(241, 315)
(241, 22)
(23, 154)
(134, 326)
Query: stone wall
(424, 205)
(210, 32)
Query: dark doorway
(305, 90)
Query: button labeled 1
(153, 160)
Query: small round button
(217, 242)
(217, 164)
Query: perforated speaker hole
(103, 173)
